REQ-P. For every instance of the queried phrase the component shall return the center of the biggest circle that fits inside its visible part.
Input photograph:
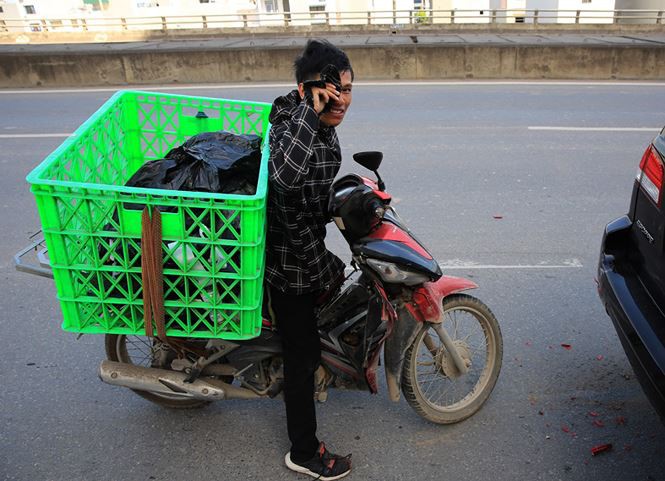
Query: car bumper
(639, 323)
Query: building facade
(32, 12)
(556, 11)
(150, 14)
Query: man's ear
(301, 90)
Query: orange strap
(152, 275)
(152, 272)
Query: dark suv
(631, 275)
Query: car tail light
(650, 175)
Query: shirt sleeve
(291, 149)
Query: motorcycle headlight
(394, 274)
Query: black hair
(316, 56)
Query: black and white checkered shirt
(304, 160)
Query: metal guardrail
(313, 18)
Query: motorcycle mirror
(370, 160)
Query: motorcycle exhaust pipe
(161, 381)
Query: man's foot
(324, 465)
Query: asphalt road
(498, 198)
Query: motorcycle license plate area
(212, 244)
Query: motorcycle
(442, 348)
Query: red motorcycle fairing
(385, 196)
(429, 297)
(391, 232)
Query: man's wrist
(309, 114)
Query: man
(304, 159)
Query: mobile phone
(330, 75)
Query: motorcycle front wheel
(140, 351)
(431, 382)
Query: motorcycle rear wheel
(429, 373)
(139, 353)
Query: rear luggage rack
(40, 266)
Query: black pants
(296, 324)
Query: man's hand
(321, 97)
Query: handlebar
(374, 206)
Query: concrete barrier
(399, 57)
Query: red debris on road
(567, 346)
(601, 448)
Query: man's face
(334, 116)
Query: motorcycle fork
(405, 333)
(427, 307)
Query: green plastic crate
(213, 244)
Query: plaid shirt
(304, 160)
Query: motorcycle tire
(116, 350)
(427, 363)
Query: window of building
(2, 9)
(97, 5)
(30, 9)
(317, 14)
(586, 1)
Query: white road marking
(465, 264)
(457, 264)
(32, 136)
(514, 82)
(442, 83)
(144, 88)
(500, 266)
(543, 127)
(596, 129)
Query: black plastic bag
(219, 162)
(154, 174)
